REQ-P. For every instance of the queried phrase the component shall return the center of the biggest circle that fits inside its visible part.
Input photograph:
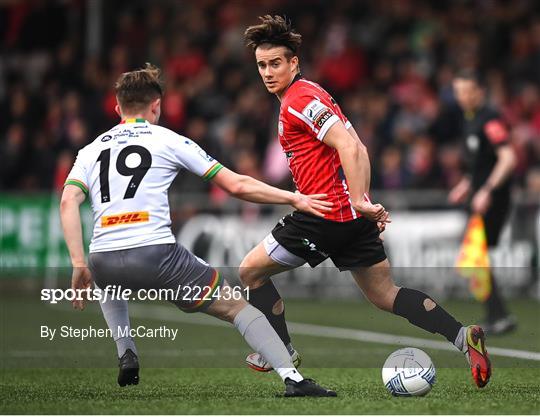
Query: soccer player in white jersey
(127, 172)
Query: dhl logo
(125, 218)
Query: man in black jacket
(490, 160)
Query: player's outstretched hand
(81, 279)
(312, 204)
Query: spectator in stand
(390, 63)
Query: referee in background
(490, 160)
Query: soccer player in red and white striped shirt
(325, 155)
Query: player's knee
(249, 274)
(244, 273)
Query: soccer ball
(408, 372)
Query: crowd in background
(389, 63)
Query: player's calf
(377, 285)
(226, 309)
(259, 334)
(420, 309)
(255, 328)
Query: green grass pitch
(202, 371)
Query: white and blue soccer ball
(408, 372)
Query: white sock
(117, 316)
(261, 336)
(291, 373)
(461, 339)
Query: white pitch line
(390, 339)
(164, 313)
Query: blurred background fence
(422, 242)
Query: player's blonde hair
(137, 89)
(274, 31)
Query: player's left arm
(506, 162)
(72, 198)
(366, 167)
(354, 159)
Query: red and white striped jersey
(307, 112)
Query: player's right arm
(74, 194)
(72, 198)
(249, 189)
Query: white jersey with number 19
(127, 172)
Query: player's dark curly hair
(137, 89)
(275, 31)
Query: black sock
(494, 304)
(423, 312)
(264, 298)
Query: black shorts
(350, 244)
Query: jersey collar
(295, 79)
(133, 120)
